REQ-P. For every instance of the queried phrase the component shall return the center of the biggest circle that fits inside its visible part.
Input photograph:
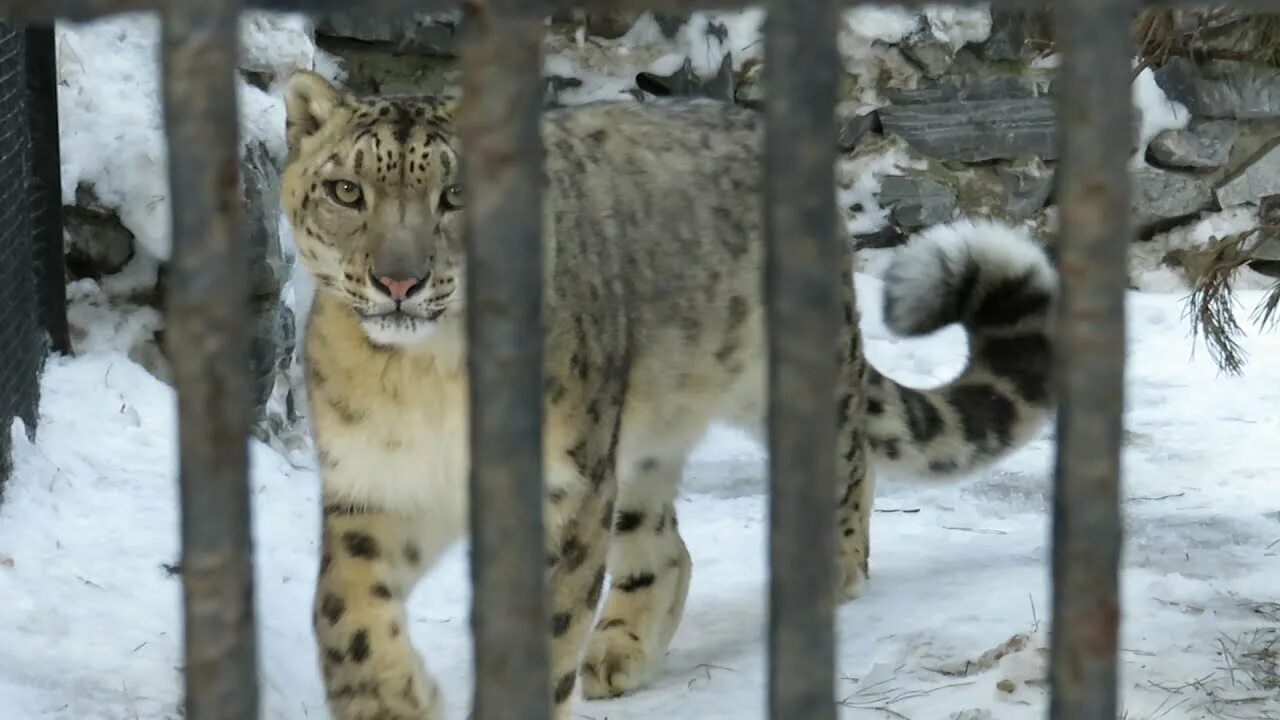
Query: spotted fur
(654, 329)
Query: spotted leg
(369, 564)
(579, 510)
(855, 480)
(650, 569)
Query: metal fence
(32, 293)
(208, 303)
(45, 184)
(19, 318)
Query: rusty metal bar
(502, 173)
(801, 276)
(206, 332)
(1093, 100)
(45, 10)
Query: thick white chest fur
(392, 433)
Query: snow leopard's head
(373, 192)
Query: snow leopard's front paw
(615, 662)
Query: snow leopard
(654, 326)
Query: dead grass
(1246, 683)
(1212, 304)
(1222, 32)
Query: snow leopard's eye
(345, 193)
(451, 198)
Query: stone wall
(931, 128)
(116, 281)
(977, 124)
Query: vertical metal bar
(42, 84)
(1093, 101)
(803, 310)
(502, 166)
(207, 335)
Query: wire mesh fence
(45, 186)
(32, 291)
(20, 338)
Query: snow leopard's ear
(310, 100)
(442, 110)
(448, 108)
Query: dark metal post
(19, 325)
(502, 165)
(207, 335)
(803, 318)
(46, 160)
(1093, 101)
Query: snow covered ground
(92, 619)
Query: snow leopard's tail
(1000, 286)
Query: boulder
(976, 131)
(1256, 178)
(1028, 185)
(917, 201)
(1206, 147)
(1160, 195)
(96, 242)
(1224, 89)
(1011, 34)
(419, 33)
(970, 86)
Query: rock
(976, 131)
(97, 243)
(420, 33)
(1010, 31)
(1160, 195)
(885, 237)
(852, 128)
(1028, 185)
(610, 25)
(971, 86)
(916, 201)
(1266, 251)
(1206, 147)
(274, 333)
(371, 68)
(670, 22)
(1224, 89)
(1256, 178)
(932, 56)
(148, 352)
(556, 84)
(1269, 213)
(750, 86)
(264, 352)
(268, 268)
(686, 82)
(271, 348)
(1268, 247)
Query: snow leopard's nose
(399, 286)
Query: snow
(958, 570)
(110, 110)
(860, 177)
(707, 45)
(1156, 113)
